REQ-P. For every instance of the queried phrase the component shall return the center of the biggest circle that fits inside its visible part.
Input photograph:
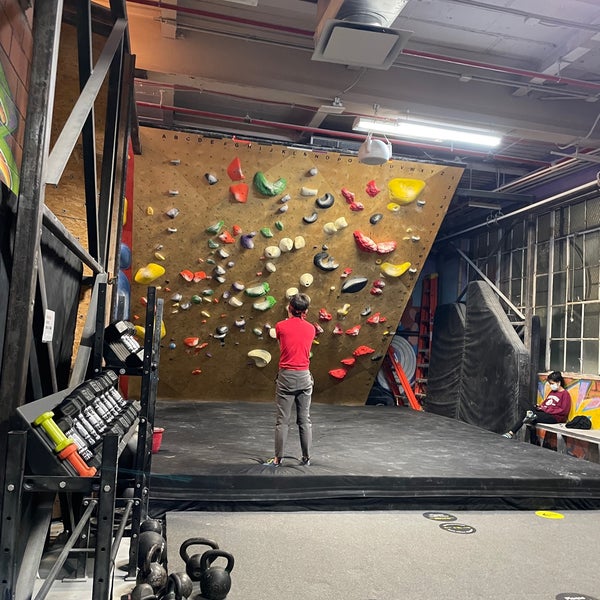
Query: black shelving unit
(35, 477)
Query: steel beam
(17, 342)
(107, 175)
(69, 135)
(88, 133)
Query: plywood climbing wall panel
(178, 215)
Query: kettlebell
(170, 593)
(151, 525)
(215, 582)
(146, 540)
(182, 585)
(153, 572)
(142, 591)
(192, 563)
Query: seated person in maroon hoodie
(554, 409)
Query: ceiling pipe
(332, 133)
(586, 187)
(176, 87)
(406, 52)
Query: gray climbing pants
(293, 387)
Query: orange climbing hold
(199, 276)
(227, 238)
(187, 275)
(239, 191)
(362, 350)
(348, 361)
(191, 342)
(338, 373)
(234, 170)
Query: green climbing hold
(266, 232)
(267, 188)
(258, 290)
(265, 304)
(215, 228)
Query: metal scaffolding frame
(24, 525)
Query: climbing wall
(353, 237)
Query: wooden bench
(591, 436)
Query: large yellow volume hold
(149, 273)
(395, 270)
(405, 191)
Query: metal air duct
(357, 32)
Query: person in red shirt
(554, 409)
(294, 381)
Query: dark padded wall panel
(443, 382)
(63, 272)
(495, 371)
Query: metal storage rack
(29, 493)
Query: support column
(17, 343)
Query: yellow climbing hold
(395, 270)
(140, 331)
(149, 273)
(344, 310)
(149, 211)
(548, 514)
(393, 207)
(405, 190)
(260, 357)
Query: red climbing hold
(362, 350)
(338, 373)
(372, 188)
(234, 170)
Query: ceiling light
(422, 131)
(479, 204)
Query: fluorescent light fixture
(422, 131)
(487, 205)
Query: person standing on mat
(554, 409)
(294, 383)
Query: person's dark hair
(299, 304)
(557, 377)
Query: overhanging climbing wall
(353, 253)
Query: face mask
(554, 387)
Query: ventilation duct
(358, 33)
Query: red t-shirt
(557, 404)
(295, 337)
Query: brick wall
(16, 44)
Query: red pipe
(211, 15)
(338, 134)
(416, 53)
(501, 69)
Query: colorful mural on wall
(585, 400)
(9, 172)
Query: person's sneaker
(273, 462)
(508, 435)
(529, 416)
(305, 461)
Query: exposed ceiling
(528, 69)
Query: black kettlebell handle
(211, 555)
(193, 542)
(153, 556)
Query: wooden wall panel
(223, 370)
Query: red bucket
(157, 434)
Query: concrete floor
(397, 555)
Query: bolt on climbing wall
(227, 230)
